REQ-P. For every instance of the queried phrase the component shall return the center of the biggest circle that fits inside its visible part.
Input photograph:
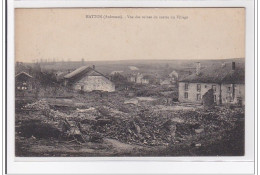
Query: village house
(139, 78)
(226, 80)
(170, 80)
(88, 79)
(174, 75)
(23, 82)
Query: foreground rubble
(135, 124)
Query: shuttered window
(186, 86)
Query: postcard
(135, 82)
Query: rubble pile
(38, 105)
(136, 130)
(130, 124)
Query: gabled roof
(83, 71)
(218, 73)
(77, 71)
(23, 73)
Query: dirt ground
(116, 124)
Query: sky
(150, 34)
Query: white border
(153, 165)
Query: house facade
(193, 92)
(88, 79)
(139, 79)
(23, 82)
(227, 83)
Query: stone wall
(90, 83)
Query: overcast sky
(66, 34)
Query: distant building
(171, 79)
(167, 81)
(116, 72)
(23, 82)
(174, 75)
(133, 68)
(227, 82)
(88, 79)
(146, 79)
(139, 78)
(132, 78)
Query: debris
(137, 128)
(132, 101)
(38, 105)
(198, 145)
(85, 110)
(102, 122)
(198, 131)
(130, 124)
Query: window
(198, 97)
(206, 86)
(229, 89)
(198, 87)
(214, 88)
(186, 95)
(186, 86)
(215, 98)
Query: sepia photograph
(129, 82)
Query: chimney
(197, 68)
(94, 66)
(233, 65)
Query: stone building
(88, 79)
(226, 80)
